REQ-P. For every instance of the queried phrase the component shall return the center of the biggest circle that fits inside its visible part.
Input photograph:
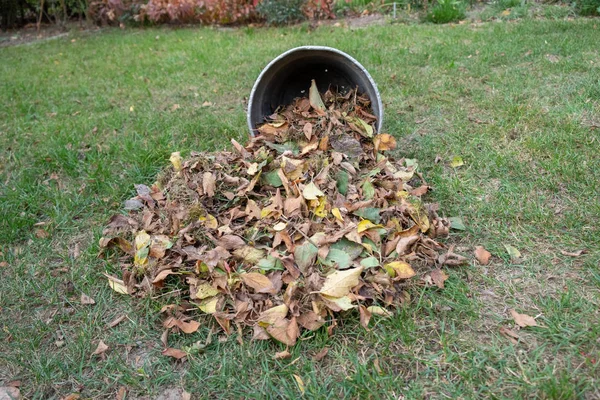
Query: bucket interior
(289, 76)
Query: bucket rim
(314, 48)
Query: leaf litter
(311, 218)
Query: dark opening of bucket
(289, 75)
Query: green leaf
(411, 162)
(282, 148)
(366, 129)
(456, 162)
(513, 252)
(370, 262)
(457, 223)
(370, 213)
(342, 179)
(305, 256)
(349, 247)
(339, 257)
(270, 263)
(368, 190)
(272, 178)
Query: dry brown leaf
(365, 316)
(311, 321)
(510, 334)
(282, 355)
(321, 354)
(308, 129)
(9, 393)
(231, 242)
(175, 353)
(259, 282)
(85, 299)
(100, 349)
(116, 321)
(185, 326)
(438, 277)
(284, 330)
(482, 255)
(572, 254)
(523, 320)
(420, 191)
(208, 183)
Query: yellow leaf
(385, 142)
(365, 224)
(505, 13)
(205, 291)
(279, 226)
(265, 212)
(209, 305)
(379, 311)
(142, 239)
(399, 269)
(209, 221)
(340, 283)
(116, 284)
(312, 192)
(320, 210)
(337, 214)
(344, 302)
(299, 381)
(268, 317)
(176, 161)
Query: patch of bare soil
(30, 34)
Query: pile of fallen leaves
(308, 220)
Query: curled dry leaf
(523, 320)
(572, 254)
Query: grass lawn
(84, 117)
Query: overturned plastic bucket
(288, 77)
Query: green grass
(515, 100)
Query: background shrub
(281, 12)
(588, 7)
(445, 11)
